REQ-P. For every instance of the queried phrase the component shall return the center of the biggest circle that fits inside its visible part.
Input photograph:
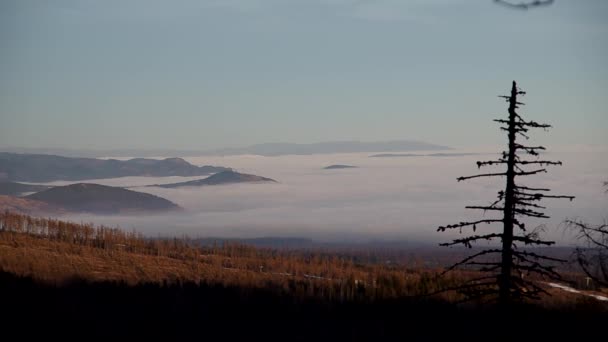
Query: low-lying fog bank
(382, 198)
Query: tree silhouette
(508, 264)
(593, 259)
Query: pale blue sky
(213, 73)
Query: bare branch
(537, 256)
(467, 241)
(531, 213)
(464, 224)
(540, 162)
(559, 196)
(536, 269)
(531, 189)
(529, 241)
(490, 162)
(587, 232)
(527, 204)
(528, 173)
(483, 175)
(483, 208)
(474, 256)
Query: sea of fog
(395, 198)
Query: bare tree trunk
(507, 238)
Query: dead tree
(507, 264)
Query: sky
(199, 74)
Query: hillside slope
(101, 199)
(27, 206)
(16, 189)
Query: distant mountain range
(47, 168)
(267, 149)
(101, 199)
(17, 189)
(393, 155)
(224, 177)
(277, 149)
(339, 166)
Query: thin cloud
(420, 11)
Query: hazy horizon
(275, 149)
(381, 199)
(161, 153)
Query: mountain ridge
(347, 146)
(264, 149)
(48, 168)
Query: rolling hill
(224, 177)
(339, 166)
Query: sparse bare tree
(593, 258)
(507, 264)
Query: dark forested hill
(95, 198)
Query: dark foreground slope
(47, 168)
(61, 279)
(224, 177)
(210, 312)
(101, 199)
